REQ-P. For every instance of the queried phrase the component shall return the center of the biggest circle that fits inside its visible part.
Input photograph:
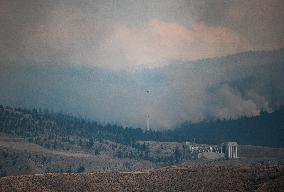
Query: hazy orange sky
(127, 33)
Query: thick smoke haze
(98, 58)
(223, 88)
(127, 33)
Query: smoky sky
(128, 33)
(158, 45)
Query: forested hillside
(52, 130)
(264, 130)
(40, 126)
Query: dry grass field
(257, 169)
(204, 178)
(18, 157)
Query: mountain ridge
(243, 84)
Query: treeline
(267, 129)
(38, 124)
(42, 125)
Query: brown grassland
(175, 178)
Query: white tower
(148, 122)
(148, 115)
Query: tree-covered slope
(265, 130)
(40, 126)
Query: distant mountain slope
(265, 130)
(221, 88)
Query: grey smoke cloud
(163, 36)
(127, 33)
(222, 88)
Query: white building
(230, 149)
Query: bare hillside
(19, 157)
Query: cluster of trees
(41, 126)
(267, 129)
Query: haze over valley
(242, 85)
(161, 95)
